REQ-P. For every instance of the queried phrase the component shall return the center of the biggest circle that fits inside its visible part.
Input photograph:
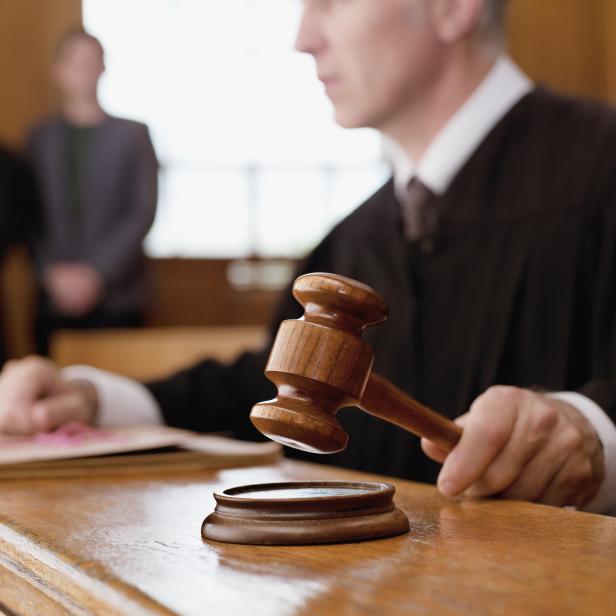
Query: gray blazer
(117, 206)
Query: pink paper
(73, 434)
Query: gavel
(320, 363)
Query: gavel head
(319, 363)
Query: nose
(310, 38)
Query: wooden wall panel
(609, 37)
(189, 292)
(567, 44)
(28, 31)
(561, 43)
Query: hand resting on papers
(35, 398)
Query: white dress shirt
(124, 401)
(503, 87)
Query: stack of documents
(76, 449)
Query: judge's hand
(35, 398)
(74, 288)
(522, 445)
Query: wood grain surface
(132, 545)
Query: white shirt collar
(502, 88)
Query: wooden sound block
(304, 512)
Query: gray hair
(495, 17)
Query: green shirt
(78, 142)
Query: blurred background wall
(29, 30)
(567, 44)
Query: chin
(350, 115)
(347, 119)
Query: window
(252, 162)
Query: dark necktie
(419, 215)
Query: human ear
(454, 19)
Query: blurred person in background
(98, 181)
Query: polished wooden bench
(152, 352)
(132, 546)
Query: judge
(494, 245)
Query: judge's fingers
(487, 429)
(57, 410)
(575, 483)
(552, 479)
(569, 470)
(433, 451)
(536, 422)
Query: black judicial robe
(520, 287)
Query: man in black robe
(500, 277)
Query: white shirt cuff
(605, 499)
(121, 401)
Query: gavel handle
(384, 400)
